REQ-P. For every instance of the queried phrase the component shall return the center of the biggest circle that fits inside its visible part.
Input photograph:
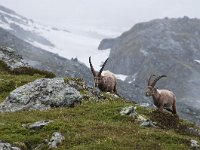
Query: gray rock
(148, 123)
(11, 58)
(7, 146)
(130, 111)
(194, 144)
(37, 125)
(140, 118)
(193, 131)
(41, 94)
(55, 140)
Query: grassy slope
(91, 125)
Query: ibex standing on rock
(162, 98)
(104, 80)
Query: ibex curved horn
(100, 71)
(149, 82)
(91, 67)
(158, 78)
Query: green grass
(92, 125)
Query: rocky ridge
(11, 58)
(161, 46)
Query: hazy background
(113, 14)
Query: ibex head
(151, 89)
(97, 75)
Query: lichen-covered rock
(7, 146)
(130, 111)
(11, 58)
(55, 140)
(194, 144)
(41, 94)
(148, 123)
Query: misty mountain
(25, 36)
(161, 46)
(21, 26)
(70, 41)
(42, 59)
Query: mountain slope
(71, 41)
(42, 59)
(161, 46)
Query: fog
(107, 13)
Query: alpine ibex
(162, 98)
(104, 80)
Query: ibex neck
(156, 98)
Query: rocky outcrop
(40, 95)
(11, 58)
(161, 46)
(106, 44)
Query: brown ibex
(163, 99)
(104, 80)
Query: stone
(38, 125)
(148, 123)
(194, 144)
(11, 58)
(41, 94)
(130, 111)
(55, 140)
(7, 146)
(140, 118)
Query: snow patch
(5, 26)
(197, 60)
(14, 16)
(121, 77)
(143, 51)
(133, 77)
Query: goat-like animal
(104, 80)
(163, 99)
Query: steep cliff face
(162, 46)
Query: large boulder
(40, 95)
